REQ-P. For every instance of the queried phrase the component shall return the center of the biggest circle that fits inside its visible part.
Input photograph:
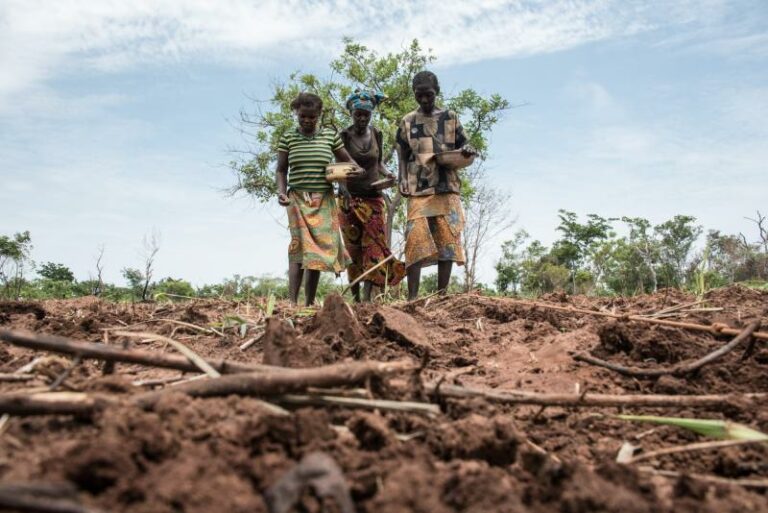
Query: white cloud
(42, 40)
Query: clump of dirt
(657, 344)
(194, 316)
(283, 348)
(402, 329)
(493, 440)
(9, 308)
(336, 321)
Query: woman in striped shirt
(302, 155)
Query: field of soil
(234, 453)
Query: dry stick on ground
(53, 403)
(157, 382)
(267, 384)
(366, 273)
(716, 329)
(20, 502)
(674, 308)
(700, 446)
(91, 350)
(196, 359)
(65, 374)
(15, 378)
(680, 369)
(286, 381)
(201, 329)
(592, 400)
(183, 349)
(746, 483)
(355, 402)
(248, 343)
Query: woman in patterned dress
(362, 210)
(435, 215)
(303, 153)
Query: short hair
(425, 78)
(308, 100)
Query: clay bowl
(454, 159)
(340, 171)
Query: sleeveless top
(369, 157)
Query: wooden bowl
(340, 171)
(454, 159)
(384, 183)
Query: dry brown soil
(223, 454)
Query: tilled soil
(224, 454)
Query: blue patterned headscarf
(364, 100)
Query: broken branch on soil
(700, 446)
(183, 349)
(248, 343)
(52, 403)
(29, 499)
(158, 381)
(209, 331)
(286, 381)
(15, 378)
(92, 350)
(65, 374)
(746, 483)
(197, 360)
(680, 369)
(716, 329)
(355, 402)
(675, 308)
(592, 400)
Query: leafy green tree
(579, 241)
(173, 289)
(14, 254)
(676, 238)
(56, 272)
(646, 246)
(509, 270)
(135, 279)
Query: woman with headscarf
(363, 212)
(435, 214)
(302, 156)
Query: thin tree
(99, 286)
(487, 215)
(151, 247)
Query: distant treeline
(588, 258)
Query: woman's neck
(311, 132)
(360, 131)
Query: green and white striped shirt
(308, 157)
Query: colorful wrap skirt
(433, 230)
(315, 233)
(364, 227)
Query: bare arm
(281, 177)
(401, 171)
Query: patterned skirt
(433, 231)
(363, 225)
(315, 238)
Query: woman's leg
(310, 287)
(367, 286)
(356, 292)
(295, 273)
(444, 275)
(414, 275)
